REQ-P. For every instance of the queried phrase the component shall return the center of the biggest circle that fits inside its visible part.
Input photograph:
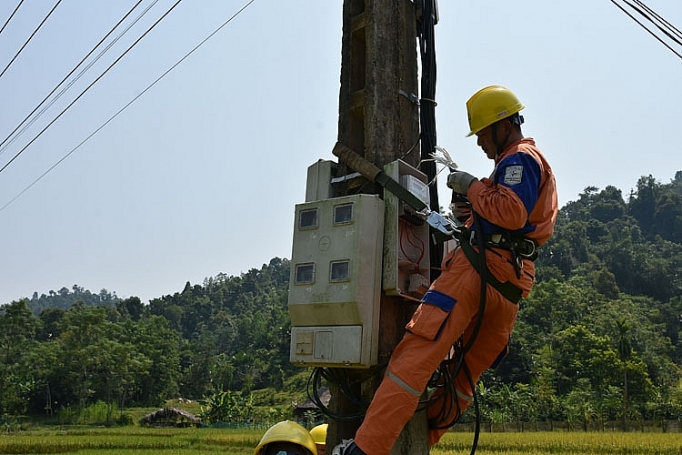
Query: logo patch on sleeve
(512, 175)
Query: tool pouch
(430, 317)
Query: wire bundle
(427, 111)
(666, 33)
(347, 384)
(45, 104)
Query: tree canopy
(602, 322)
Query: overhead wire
(7, 142)
(11, 16)
(660, 18)
(138, 96)
(90, 86)
(653, 17)
(31, 37)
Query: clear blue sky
(201, 174)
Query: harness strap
(507, 289)
(522, 246)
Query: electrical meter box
(335, 282)
(406, 262)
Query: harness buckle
(532, 250)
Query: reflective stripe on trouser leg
(391, 408)
(403, 384)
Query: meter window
(305, 273)
(308, 219)
(339, 271)
(343, 214)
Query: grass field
(132, 441)
(563, 443)
(210, 441)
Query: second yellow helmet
(319, 433)
(287, 431)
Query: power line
(4, 144)
(652, 17)
(90, 86)
(91, 135)
(653, 20)
(661, 19)
(30, 37)
(11, 16)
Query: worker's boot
(347, 447)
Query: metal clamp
(439, 222)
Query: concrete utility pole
(379, 119)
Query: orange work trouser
(448, 311)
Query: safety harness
(520, 247)
(508, 290)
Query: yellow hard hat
(287, 431)
(489, 105)
(319, 434)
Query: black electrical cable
(650, 19)
(427, 115)
(5, 141)
(11, 16)
(30, 37)
(138, 96)
(444, 392)
(660, 18)
(90, 86)
(645, 28)
(340, 378)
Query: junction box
(345, 251)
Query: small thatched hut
(308, 406)
(170, 417)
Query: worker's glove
(461, 210)
(460, 181)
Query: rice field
(563, 443)
(132, 441)
(212, 441)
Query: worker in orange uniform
(515, 211)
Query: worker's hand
(460, 181)
(461, 210)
